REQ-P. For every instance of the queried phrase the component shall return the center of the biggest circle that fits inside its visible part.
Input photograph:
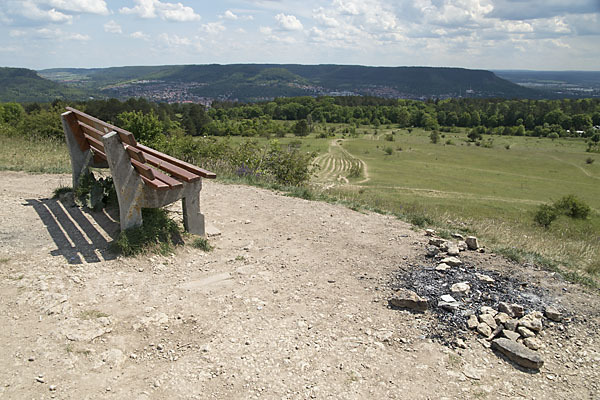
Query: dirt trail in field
(586, 173)
(336, 165)
(292, 303)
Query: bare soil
(292, 303)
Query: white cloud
(288, 22)
(82, 6)
(323, 19)
(30, 10)
(167, 11)
(213, 28)
(230, 15)
(536, 9)
(139, 35)
(265, 30)
(112, 27)
(174, 40)
(58, 34)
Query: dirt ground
(291, 304)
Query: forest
(539, 118)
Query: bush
(389, 137)
(569, 205)
(573, 207)
(545, 215)
(589, 160)
(434, 137)
(388, 151)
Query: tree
(146, 128)
(475, 134)
(301, 128)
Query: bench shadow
(76, 237)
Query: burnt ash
(431, 284)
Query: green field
(491, 190)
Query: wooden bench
(143, 177)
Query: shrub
(589, 160)
(569, 205)
(389, 137)
(545, 215)
(573, 207)
(434, 137)
(388, 151)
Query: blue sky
(487, 34)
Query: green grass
(92, 314)
(202, 244)
(493, 192)
(158, 233)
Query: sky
(479, 34)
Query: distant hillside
(557, 83)
(24, 85)
(248, 82)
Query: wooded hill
(24, 85)
(251, 82)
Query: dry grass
(18, 153)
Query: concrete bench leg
(193, 220)
(128, 184)
(80, 160)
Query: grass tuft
(202, 244)
(61, 190)
(158, 233)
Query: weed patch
(202, 244)
(158, 233)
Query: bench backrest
(158, 170)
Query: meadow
(491, 188)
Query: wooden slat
(99, 154)
(126, 136)
(91, 131)
(156, 184)
(171, 169)
(172, 182)
(71, 119)
(136, 153)
(144, 170)
(95, 144)
(181, 164)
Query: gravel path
(292, 303)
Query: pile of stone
(464, 298)
(512, 332)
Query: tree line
(567, 117)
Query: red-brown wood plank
(172, 182)
(99, 154)
(156, 184)
(182, 164)
(71, 119)
(171, 168)
(95, 144)
(143, 170)
(136, 154)
(126, 136)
